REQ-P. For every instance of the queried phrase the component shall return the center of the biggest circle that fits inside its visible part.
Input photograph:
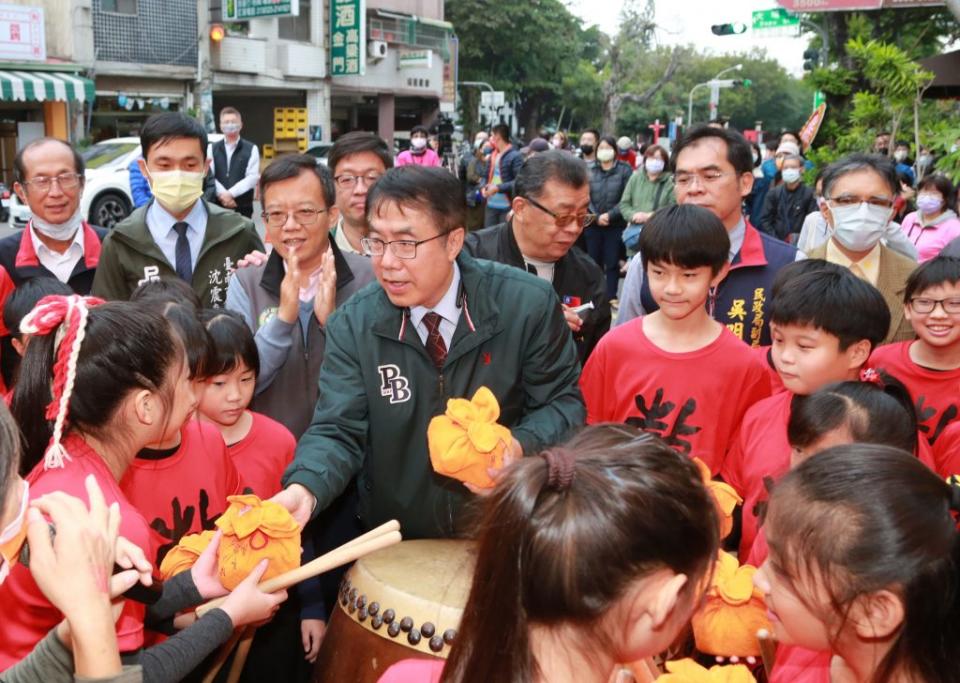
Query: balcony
(302, 61)
(241, 55)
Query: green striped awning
(40, 86)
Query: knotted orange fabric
(725, 498)
(688, 671)
(466, 440)
(183, 555)
(732, 613)
(253, 530)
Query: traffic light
(811, 59)
(728, 29)
(744, 82)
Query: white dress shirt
(160, 224)
(446, 308)
(61, 265)
(250, 176)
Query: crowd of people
(800, 344)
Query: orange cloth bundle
(466, 440)
(732, 613)
(253, 530)
(724, 497)
(182, 556)
(688, 671)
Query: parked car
(320, 150)
(4, 203)
(106, 193)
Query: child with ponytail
(97, 384)
(592, 554)
(865, 563)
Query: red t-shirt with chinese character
(759, 456)
(694, 400)
(946, 452)
(936, 393)
(263, 454)
(27, 616)
(185, 492)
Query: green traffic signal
(728, 29)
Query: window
(119, 6)
(296, 28)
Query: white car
(107, 199)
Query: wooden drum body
(397, 603)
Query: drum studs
(413, 637)
(449, 635)
(376, 622)
(362, 614)
(352, 607)
(388, 616)
(393, 629)
(373, 608)
(406, 624)
(343, 599)
(428, 629)
(353, 594)
(436, 643)
(362, 601)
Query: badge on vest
(265, 316)
(393, 384)
(150, 273)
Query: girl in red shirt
(865, 563)
(261, 448)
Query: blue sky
(674, 16)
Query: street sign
(22, 34)
(492, 99)
(242, 10)
(348, 24)
(774, 18)
(829, 5)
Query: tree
(524, 48)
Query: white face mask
(653, 165)
(10, 536)
(58, 231)
(418, 143)
(860, 227)
(605, 154)
(900, 155)
(230, 128)
(790, 175)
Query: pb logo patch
(150, 273)
(393, 384)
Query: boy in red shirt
(677, 372)
(930, 364)
(824, 322)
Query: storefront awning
(40, 86)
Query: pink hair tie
(872, 376)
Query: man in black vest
(236, 165)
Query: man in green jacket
(437, 325)
(178, 234)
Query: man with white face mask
(789, 203)
(178, 234)
(858, 193)
(235, 165)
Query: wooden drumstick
(348, 552)
(223, 656)
(768, 650)
(386, 527)
(243, 651)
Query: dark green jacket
(130, 256)
(379, 390)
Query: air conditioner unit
(377, 49)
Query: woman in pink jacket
(419, 153)
(934, 224)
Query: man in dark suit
(236, 165)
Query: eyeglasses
(706, 178)
(565, 219)
(66, 181)
(305, 217)
(923, 305)
(405, 249)
(348, 182)
(853, 200)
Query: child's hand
(312, 632)
(326, 299)
(205, 574)
(247, 604)
(130, 556)
(289, 307)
